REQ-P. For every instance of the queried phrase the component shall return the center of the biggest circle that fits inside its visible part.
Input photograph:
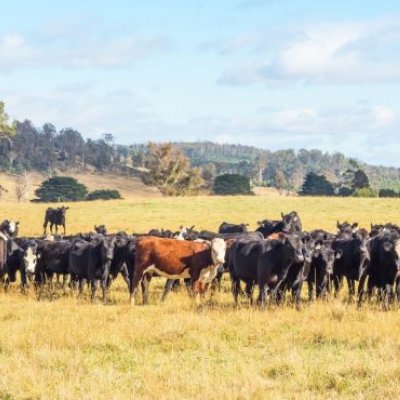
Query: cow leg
(64, 228)
(167, 288)
(81, 287)
(249, 290)
(310, 286)
(145, 288)
(297, 293)
(137, 277)
(94, 284)
(262, 296)
(398, 289)
(125, 275)
(351, 283)
(235, 290)
(361, 290)
(51, 227)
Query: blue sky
(269, 73)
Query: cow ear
(259, 223)
(355, 225)
(338, 254)
(387, 246)
(282, 215)
(337, 224)
(17, 223)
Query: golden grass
(65, 350)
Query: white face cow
(218, 250)
(30, 260)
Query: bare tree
(22, 186)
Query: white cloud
(77, 51)
(353, 52)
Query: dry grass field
(68, 350)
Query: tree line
(181, 168)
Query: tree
(22, 186)
(231, 184)
(171, 172)
(360, 180)
(61, 188)
(6, 130)
(316, 185)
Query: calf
(289, 223)
(176, 259)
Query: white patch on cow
(397, 248)
(30, 261)
(218, 250)
(208, 274)
(12, 227)
(153, 269)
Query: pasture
(65, 349)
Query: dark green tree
(316, 185)
(230, 184)
(61, 188)
(360, 180)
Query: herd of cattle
(278, 257)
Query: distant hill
(44, 149)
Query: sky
(275, 74)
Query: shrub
(365, 192)
(61, 188)
(345, 191)
(388, 193)
(104, 194)
(231, 184)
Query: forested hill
(46, 148)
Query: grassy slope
(62, 349)
(128, 187)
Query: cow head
(107, 248)
(30, 259)
(9, 228)
(326, 256)
(218, 250)
(100, 229)
(294, 248)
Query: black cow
(53, 260)
(91, 261)
(320, 269)
(55, 216)
(227, 227)
(297, 272)
(208, 235)
(354, 258)
(385, 264)
(264, 262)
(290, 223)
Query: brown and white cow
(176, 259)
